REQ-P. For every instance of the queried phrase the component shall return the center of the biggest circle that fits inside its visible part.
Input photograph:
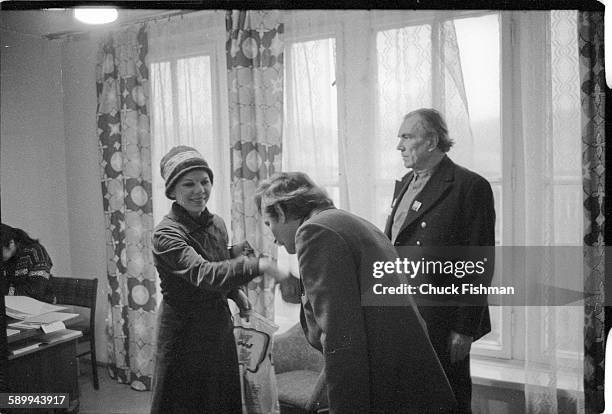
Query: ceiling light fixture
(96, 16)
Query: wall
(33, 157)
(85, 216)
(49, 156)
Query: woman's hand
(242, 248)
(269, 267)
(243, 303)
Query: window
(188, 97)
(348, 83)
(180, 89)
(405, 64)
(188, 100)
(310, 138)
(311, 121)
(405, 82)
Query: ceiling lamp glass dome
(96, 16)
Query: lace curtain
(547, 126)
(346, 92)
(186, 102)
(188, 105)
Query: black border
(585, 5)
(608, 214)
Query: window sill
(510, 374)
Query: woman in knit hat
(196, 367)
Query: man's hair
(434, 124)
(294, 192)
(20, 237)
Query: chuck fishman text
(429, 289)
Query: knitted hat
(178, 161)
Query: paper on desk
(44, 320)
(22, 307)
(51, 317)
(53, 327)
(10, 332)
(59, 335)
(21, 325)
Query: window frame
(214, 49)
(347, 33)
(330, 32)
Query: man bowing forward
(378, 359)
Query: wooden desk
(48, 368)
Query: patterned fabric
(33, 261)
(178, 161)
(591, 47)
(255, 77)
(28, 273)
(125, 168)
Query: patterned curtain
(125, 168)
(591, 47)
(255, 80)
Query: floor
(115, 398)
(112, 397)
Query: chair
(80, 292)
(299, 374)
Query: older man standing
(439, 203)
(378, 359)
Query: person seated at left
(26, 265)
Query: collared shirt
(418, 182)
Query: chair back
(293, 355)
(292, 352)
(80, 292)
(75, 291)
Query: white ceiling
(47, 22)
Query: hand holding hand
(242, 248)
(459, 346)
(269, 267)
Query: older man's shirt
(418, 182)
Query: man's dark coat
(456, 209)
(378, 359)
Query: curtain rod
(79, 33)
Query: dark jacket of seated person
(26, 265)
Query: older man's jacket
(455, 208)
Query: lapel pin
(416, 205)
